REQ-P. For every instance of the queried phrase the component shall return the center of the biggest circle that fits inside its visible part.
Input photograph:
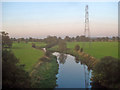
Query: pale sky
(40, 19)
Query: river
(71, 73)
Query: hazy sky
(40, 19)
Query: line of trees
(67, 38)
(85, 39)
(30, 39)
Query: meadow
(27, 54)
(97, 49)
(40, 44)
(30, 56)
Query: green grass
(26, 54)
(47, 74)
(40, 44)
(97, 49)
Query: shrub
(33, 45)
(77, 47)
(81, 50)
(107, 72)
(48, 53)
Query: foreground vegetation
(13, 75)
(106, 73)
(44, 75)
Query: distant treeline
(68, 39)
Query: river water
(71, 73)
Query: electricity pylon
(87, 31)
(87, 35)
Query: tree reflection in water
(77, 60)
(62, 58)
(83, 72)
(86, 72)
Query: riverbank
(85, 58)
(91, 55)
(42, 69)
(44, 74)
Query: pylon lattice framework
(87, 31)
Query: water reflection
(71, 73)
(77, 60)
(62, 58)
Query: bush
(81, 50)
(44, 59)
(48, 53)
(107, 72)
(77, 47)
(33, 45)
(62, 47)
(13, 75)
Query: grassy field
(29, 56)
(26, 54)
(40, 44)
(97, 49)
